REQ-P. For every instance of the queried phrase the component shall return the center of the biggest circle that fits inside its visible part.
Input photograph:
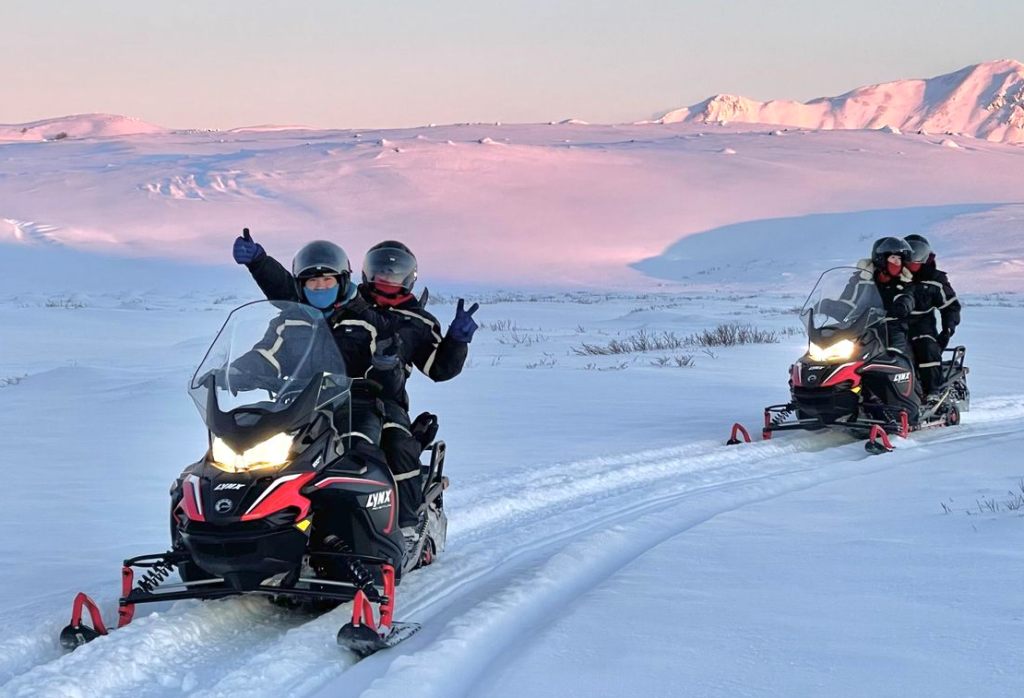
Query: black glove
(945, 336)
(424, 428)
(903, 306)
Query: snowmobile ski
(878, 443)
(364, 640)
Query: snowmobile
(283, 504)
(849, 378)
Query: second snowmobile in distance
(851, 379)
(282, 504)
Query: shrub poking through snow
(641, 342)
(731, 335)
(68, 303)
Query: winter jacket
(935, 293)
(358, 329)
(439, 358)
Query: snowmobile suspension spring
(781, 417)
(155, 576)
(361, 576)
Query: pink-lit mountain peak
(985, 101)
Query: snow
(984, 101)
(541, 206)
(77, 126)
(603, 540)
(597, 521)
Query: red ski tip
(738, 429)
(878, 441)
(76, 634)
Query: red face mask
(914, 267)
(893, 269)
(388, 294)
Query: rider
(321, 277)
(389, 274)
(888, 270)
(935, 293)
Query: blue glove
(463, 326)
(246, 251)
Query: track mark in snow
(517, 555)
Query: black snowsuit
(898, 300)
(358, 331)
(440, 359)
(934, 293)
(420, 345)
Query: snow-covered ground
(603, 541)
(526, 206)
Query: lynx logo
(378, 499)
(901, 378)
(229, 486)
(223, 506)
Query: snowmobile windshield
(266, 356)
(845, 299)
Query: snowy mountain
(77, 126)
(984, 101)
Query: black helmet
(921, 250)
(321, 258)
(391, 267)
(886, 247)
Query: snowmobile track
(517, 556)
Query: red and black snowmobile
(283, 504)
(851, 378)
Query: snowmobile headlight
(271, 453)
(840, 351)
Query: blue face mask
(323, 298)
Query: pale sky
(384, 63)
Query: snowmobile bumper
(777, 418)
(150, 587)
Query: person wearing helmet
(888, 265)
(368, 341)
(389, 275)
(887, 270)
(390, 271)
(937, 294)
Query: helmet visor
(391, 267)
(320, 258)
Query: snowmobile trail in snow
(519, 552)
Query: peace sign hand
(463, 326)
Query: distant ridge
(983, 101)
(77, 126)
